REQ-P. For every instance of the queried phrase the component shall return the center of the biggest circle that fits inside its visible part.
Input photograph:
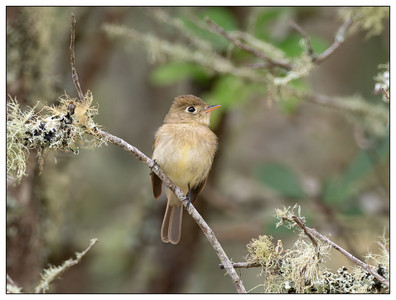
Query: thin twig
(338, 41)
(307, 39)
(243, 265)
(383, 248)
(301, 224)
(44, 284)
(385, 92)
(73, 61)
(311, 232)
(12, 282)
(187, 205)
(220, 31)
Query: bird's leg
(153, 166)
(189, 194)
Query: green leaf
(222, 17)
(319, 44)
(293, 46)
(267, 15)
(229, 90)
(339, 190)
(175, 71)
(281, 179)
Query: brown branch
(301, 224)
(307, 39)
(156, 169)
(220, 31)
(338, 41)
(73, 61)
(311, 232)
(243, 265)
(383, 248)
(385, 92)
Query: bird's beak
(210, 108)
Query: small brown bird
(184, 148)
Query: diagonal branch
(307, 39)
(312, 232)
(271, 62)
(338, 41)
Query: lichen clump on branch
(302, 268)
(63, 127)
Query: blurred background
(273, 153)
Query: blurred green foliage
(173, 72)
(221, 16)
(294, 45)
(340, 191)
(281, 179)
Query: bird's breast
(185, 152)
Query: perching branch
(271, 62)
(156, 169)
(187, 205)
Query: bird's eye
(190, 109)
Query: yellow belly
(185, 153)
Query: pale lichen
(64, 127)
(303, 267)
(368, 19)
(382, 82)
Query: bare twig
(54, 272)
(243, 265)
(311, 232)
(156, 169)
(383, 248)
(301, 224)
(73, 61)
(385, 92)
(307, 39)
(220, 31)
(338, 41)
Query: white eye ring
(190, 109)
